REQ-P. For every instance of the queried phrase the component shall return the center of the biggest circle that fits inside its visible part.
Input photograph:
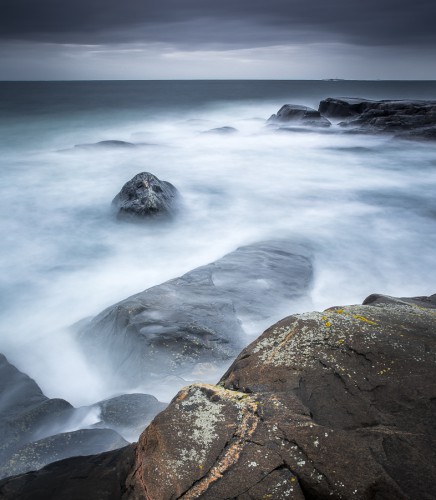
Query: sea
(365, 203)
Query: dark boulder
(145, 197)
(301, 115)
(35, 455)
(197, 321)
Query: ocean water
(365, 203)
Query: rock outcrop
(37, 454)
(197, 321)
(404, 119)
(299, 115)
(24, 410)
(336, 404)
(97, 477)
(145, 197)
(339, 404)
(36, 430)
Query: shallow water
(366, 204)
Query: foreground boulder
(145, 197)
(339, 404)
(197, 321)
(404, 119)
(299, 115)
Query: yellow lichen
(365, 320)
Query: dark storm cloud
(241, 22)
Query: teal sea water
(365, 203)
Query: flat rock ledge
(339, 404)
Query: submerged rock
(146, 197)
(338, 404)
(199, 319)
(222, 130)
(404, 119)
(106, 144)
(301, 115)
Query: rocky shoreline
(408, 119)
(333, 404)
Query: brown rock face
(339, 404)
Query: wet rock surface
(24, 410)
(36, 430)
(197, 320)
(336, 404)
(299, 115)
(35, 455)
(145, 197)
(339, 404)
(404, 119)
(128, 414)
(96, 477)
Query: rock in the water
(198, 319)
(35, 455)
(405, 119)
(106, 144)
(128, 414)
(24, 410)
(339, 404)
(97, 477)
(145, 197)
(222, 130)
(301, 115)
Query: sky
(219, 39)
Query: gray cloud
(241, 23)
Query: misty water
(365, 204)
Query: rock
(404, 119)
(339, 404)
(200, 318)
(302, 115)
(97, 477)
(24, 410)
(222, 130)
(146, 197)
(128, 414)
(35, 455)
(33, 427)
(106, 144)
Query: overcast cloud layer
(381, 32)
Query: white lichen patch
(206, 416)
